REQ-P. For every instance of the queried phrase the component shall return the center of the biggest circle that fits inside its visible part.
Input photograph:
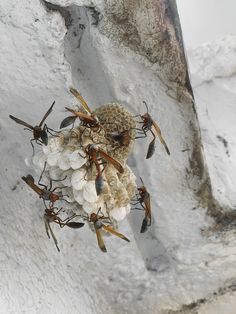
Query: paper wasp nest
(67, 161)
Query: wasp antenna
(141, 180)
(146, 105)
(99, 210)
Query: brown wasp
(144, 201)
(148, 124)
(51, 216)
(39, 133)
(95, 154)
(87, 119)
(46, 193)
(97, 221)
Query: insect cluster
(85, 165)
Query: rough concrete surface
(44, 50)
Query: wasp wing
(71, 110)
(114, 162)
(44, 137)
(30, 178)
(74, 224)
(151, 149)
(100, 240)
(111, 230)
(83, 116)
(52, 234)
(144, 226)
(30, 181)
(46, 223)
(67, 121)
(81, 99)
(21, 122)
(47, 114)
(158, 131)
(147, 207)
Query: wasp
(148, 124)
(94, 154)
(39, 131)
(51, 216)
(97, 221)
(144, 200)
(46, 193)
(87, 119)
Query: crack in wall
(86, 67)
(62, 10)
(194, 307)
(66, 14)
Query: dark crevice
(86, 67)
(62, 10)
(193, 307)
(172, 13)
(68, 17)
(95, 14)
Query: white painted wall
(81, 279)
(206, 20)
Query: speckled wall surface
(164, 269)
